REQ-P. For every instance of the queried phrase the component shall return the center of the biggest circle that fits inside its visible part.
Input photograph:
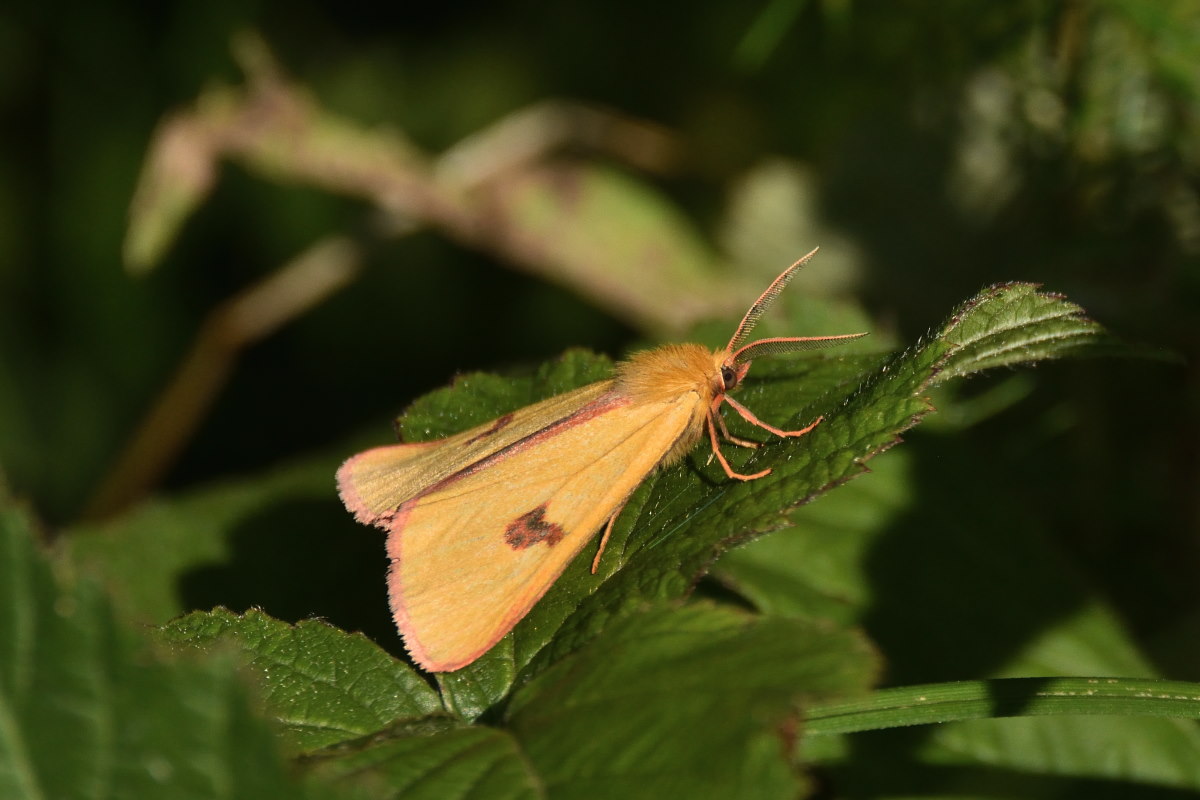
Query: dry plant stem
(527, 136)
(249, 316)
(275, 128)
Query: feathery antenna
(764, 302)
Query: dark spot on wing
(531, 528)
(499, 424)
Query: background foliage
(1040, 523)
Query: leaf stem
(1006, 697)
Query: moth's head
(730, 371)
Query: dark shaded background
(955, 145)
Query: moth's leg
(712, 437)
(729, 436)
(748, 415)
(608, 529)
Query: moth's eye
(728, 377)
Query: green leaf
(467, 763)
(85, 712)
(358, 716)
(1013, 323)
(619, 716)
(664, 704)
(470, 693)
(323, 686)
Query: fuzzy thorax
(665, 374)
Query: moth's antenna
(788, 344)
(764, 302)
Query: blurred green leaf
(614, 238)
(88, 712)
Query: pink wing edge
(348, 493)
(412, 642)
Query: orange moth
(480, 524)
